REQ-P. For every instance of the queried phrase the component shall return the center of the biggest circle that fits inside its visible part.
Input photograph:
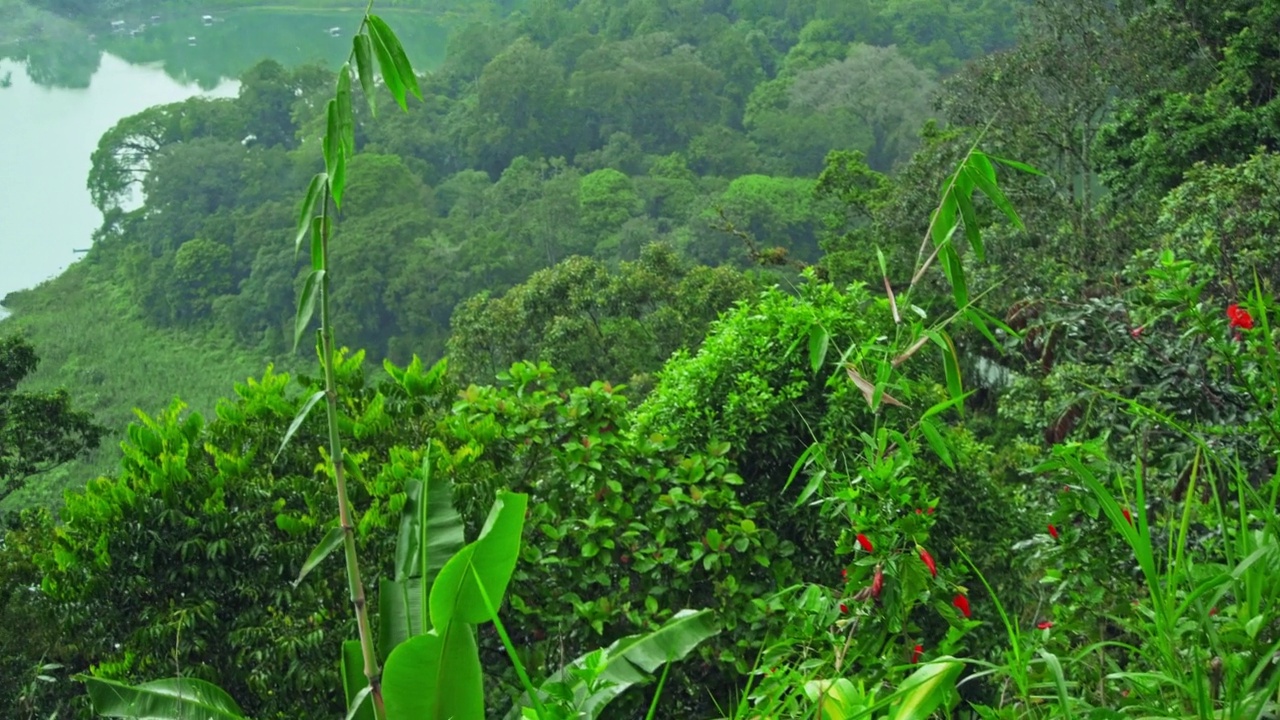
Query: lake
(59, 95)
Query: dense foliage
(962, 407)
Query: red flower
(844, 608)
(962, 602)
(928, 562)
(877, 582)
(1213, 612)
(1127, 516)
(844, 573)
(929, 511)
(1053, 531)
(916, 653)
(1045, 625)
(865, 543)
(919, 511)
(1137, 332)
(1239, 317)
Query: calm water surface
(63, 94)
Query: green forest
(669, 358)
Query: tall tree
(882, 88)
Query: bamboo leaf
(936, 442)
(386, 63)
(396, 50)
(363, 51)
(944, 221)
(1017, 165)
(869, 389)
(981, 324)
(307, 305)
(297, 421)
(171, 699)
(971, 230)
(950, 365)
(308, 207)
(944, 405)
(800, 463)
(954, 270)
(989, 188)
(332, 146)
(338, 183)
(317, 243)
(328, 544)
(346, 119)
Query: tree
(124, 154)
(1206, 92)
(521, 104)
(608, 199)
(202, 273)
(38, 430)
(593, 322)
(882, 88)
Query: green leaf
(383, 33)
(981, 324)
(937, 443)
(386, 63)
(308, 207)
(819, 339)
(307, 305)
(297, 420)
(1017, 165)
(332, 137)
(1059, 681)
(338, 183)
(945, 405)
(317, 243)
(361, 708)
(839, 698)
(328, 544)
(398, 613)
(430, 533)
(355, 685)
(171, 699)
(346, 120)
(800, 463)
(954, 270)
(435, 677)
(630, 661)
(944, 221)
(950, 366)
(493, 555)
(989, 188)
(363, 52)
(926, 689)
(971, 229)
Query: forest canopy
(899, 335)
